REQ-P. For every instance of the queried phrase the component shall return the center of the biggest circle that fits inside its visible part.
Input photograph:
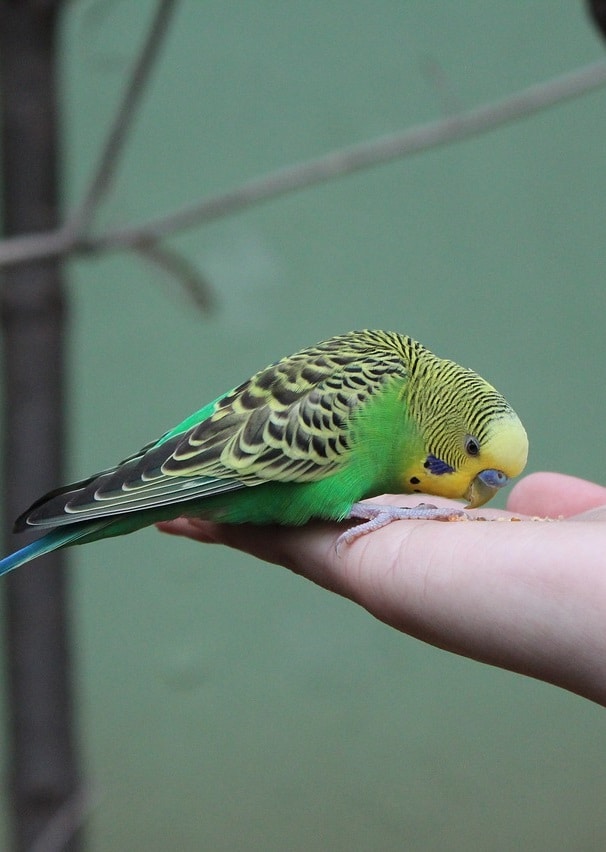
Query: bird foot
(376, 516)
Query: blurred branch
(327, 167)
(80, 220)
(436, 77)
(344, 161)
(193, 282)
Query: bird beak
(484, 487)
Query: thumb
(554, 495)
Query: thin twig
(80, 220)
(448, 100)
(344, 161)
(335, 164)
(193, 282)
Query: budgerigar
(310, 436)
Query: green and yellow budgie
(308, 437)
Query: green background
(225, 704)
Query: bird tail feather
(51, 541)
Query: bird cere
(310, 436)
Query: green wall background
(225, 704)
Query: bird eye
(472, 447)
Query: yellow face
(476, 469)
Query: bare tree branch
(329, 166)
(436, 77)
(193, 282)
(80, 220)
(344, 161)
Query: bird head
(472, 442)
(501, 457)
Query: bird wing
(288, 423)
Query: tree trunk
(43, 766)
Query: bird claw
(376, 516)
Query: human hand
(527, 596)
